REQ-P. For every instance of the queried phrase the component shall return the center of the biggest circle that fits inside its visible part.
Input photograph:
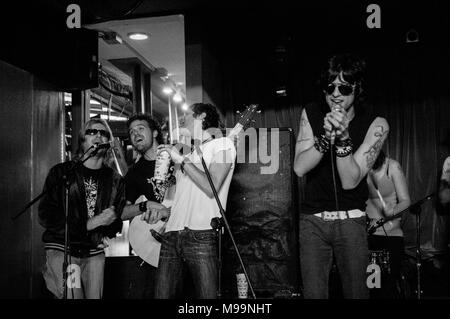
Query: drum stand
(216, 224)
(417, 212)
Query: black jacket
(111, 191)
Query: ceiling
(164, 50)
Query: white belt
(342, 214)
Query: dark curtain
(405, 84)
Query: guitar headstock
(245, 118)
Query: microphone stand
(65, 179)
(219, 227)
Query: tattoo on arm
(374, 150)
(303, 123)
(304, 140)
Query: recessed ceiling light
(167, 90)
(177, 97)
(138, 36)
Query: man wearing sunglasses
(337, 145)
(96, 199)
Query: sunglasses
(93, 132)
(344, 89)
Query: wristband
(143, 206)
(322, 144)
(344, 148)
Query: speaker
(262, 212)
(41, 43)
(128, 278)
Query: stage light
(167, 90)
(184, 107)
(177, 97)
(412, 36)
(138, 36)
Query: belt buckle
(328, 216)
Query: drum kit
(382, 257)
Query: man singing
(337, 145)
(96, 199)
(189, 240)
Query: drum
(382, 259)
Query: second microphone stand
(227, 226)
(64, 179)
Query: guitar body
(141, 239)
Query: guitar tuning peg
(252, 121)
(238, 112)
(259, 111)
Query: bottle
(162, 166)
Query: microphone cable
(334, 177)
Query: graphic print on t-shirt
(90, 186)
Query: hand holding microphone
(336, 124)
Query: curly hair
(152, 124)
(353, 69)
(212, 118)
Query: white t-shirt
(192, 208)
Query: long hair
(353, 69)
(108, 158)
(379, 161)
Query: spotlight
(184, 107)
(138, 36)
(167, 90)
(177, 97)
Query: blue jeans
(88, 284)
(347, 240)
(197, 251)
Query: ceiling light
(94, 102)
(177, 97)
(138, 36)
(184, 107)
(167, 90)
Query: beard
(142, 148)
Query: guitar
(144, 244)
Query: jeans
(347, 241)
(85, 279)
(193, 250)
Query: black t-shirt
(319, 189)
(138, 181)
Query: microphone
(332, 137)
(333, 132)
(101, 146)
(98, 147)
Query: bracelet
(343, 143)
(344, 148)
(143, 206)
(322, 144)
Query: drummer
(388, 195)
